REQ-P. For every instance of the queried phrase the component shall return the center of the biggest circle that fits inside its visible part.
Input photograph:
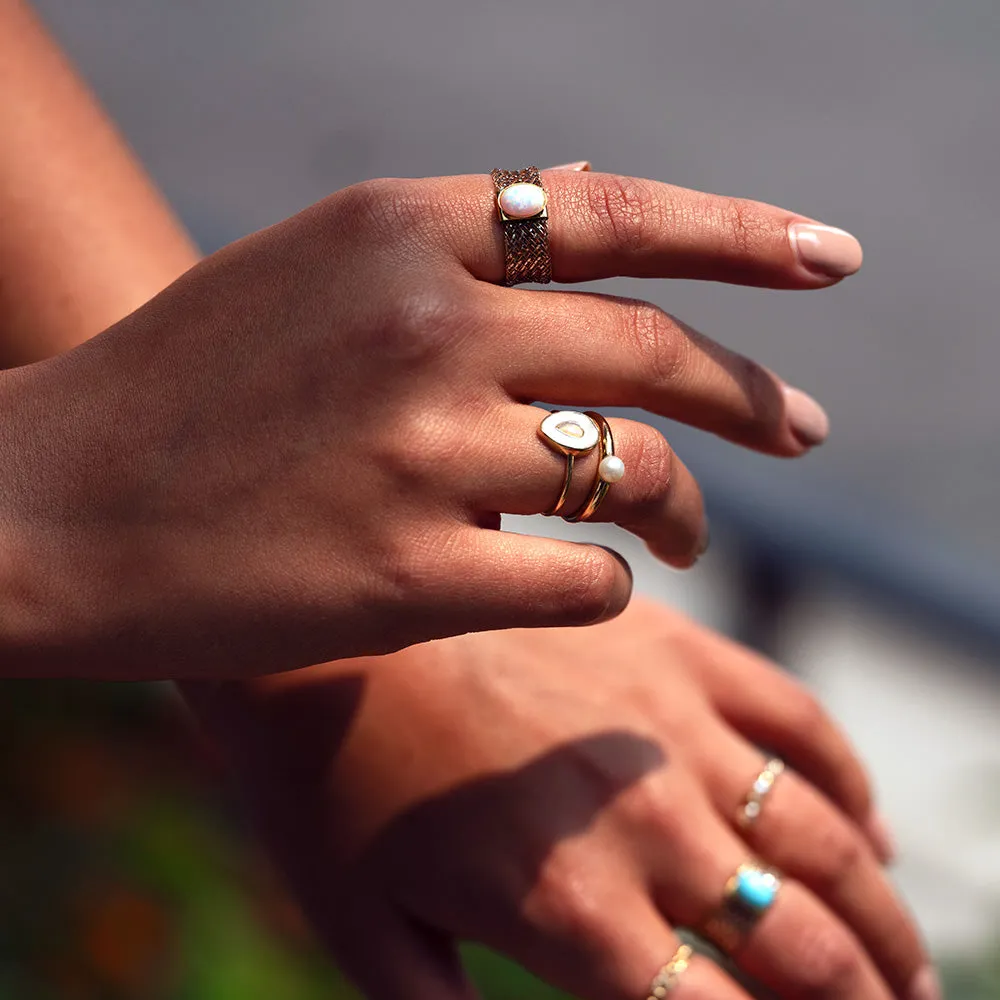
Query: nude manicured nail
(809, 421)
(882, 838)
(926, 985)
(576, 165)
(825, 250)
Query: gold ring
(748, 895)
(571, 434)
(750, 810)
(610, 470)
(666, 979)
(523, 207)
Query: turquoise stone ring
(756, 888)
(749, 894)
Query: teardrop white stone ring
(571, 434)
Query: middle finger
(563, 347)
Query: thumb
(500, 580)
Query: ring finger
(658, 499)
(804, 835)
(797, 947)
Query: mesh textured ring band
(523, 207)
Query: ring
(750, 810)
(666, 979)
(571, 434)
(748, 895)
(610, 470)
(523, 207)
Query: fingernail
(809, 421)
(926, 985)
(831, 252)
(706, 539)
(882, 839)
(576, 165)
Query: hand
(293, 453)
(568, 798)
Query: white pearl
(611, 469)
(522, 201)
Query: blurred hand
(292, 453)
(568, 798)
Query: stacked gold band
(601, 485)
(666, 979)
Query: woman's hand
(296, 451)
(568, 798)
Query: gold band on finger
(523, 207)
(610, 470)
(570, 434)
(748, 895)
(749, 812)
(666, 979)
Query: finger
(806, 837)
(773, 710)
(798, 948)
(609, 948)
(565, 347)
(499, 580)
(657, 499)
(602, 225)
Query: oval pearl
(611, 469)
(522, 201)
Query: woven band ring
(523, 207)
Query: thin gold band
(600, 488)
(666, 979)
(753, 803)
(564, 493)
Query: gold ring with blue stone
(748, 895)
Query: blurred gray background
(879, 117)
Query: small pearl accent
(521, 201)
(611, 469)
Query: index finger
(603, 225)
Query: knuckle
(590, 588)
(567, 903)
(805, 711)
(654, 472)
(829, 962)
(746, 230)
(384, 207)
(417, 325)
(655, 336)
(838, 853)
(658, 814)
(630, 211)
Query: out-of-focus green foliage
(126, 873)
